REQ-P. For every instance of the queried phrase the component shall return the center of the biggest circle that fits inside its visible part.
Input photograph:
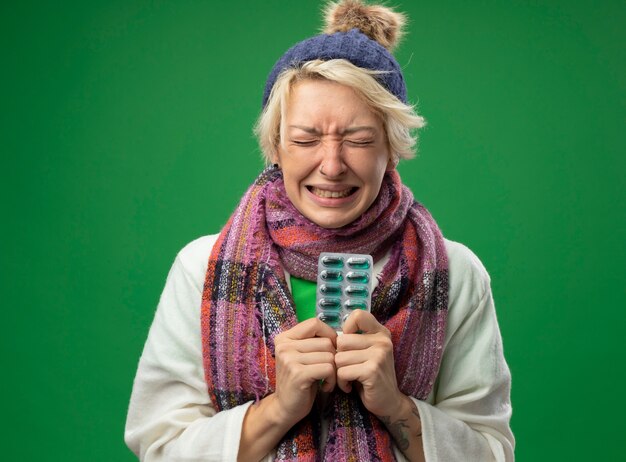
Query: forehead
(325, 102)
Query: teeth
(334, 194)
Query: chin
(331, 222)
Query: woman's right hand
(305, 354)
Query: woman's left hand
(367, 358)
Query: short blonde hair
(400, 120)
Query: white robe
(465, 417)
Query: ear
(276, 158)
(277, 155)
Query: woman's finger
(348, 374)
(353, 357)
(328, 384)
(347, 342)
(310, 328)
(362, 321)
(354, 366)
(318, 357)
(354, 372)
(317, 372)
(309, 345)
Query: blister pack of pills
(344, 284)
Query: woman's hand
(305, 354)
(367, 359)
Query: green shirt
(304, 293)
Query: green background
(126, 133)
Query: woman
(422, 377)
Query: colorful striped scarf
(246, 303)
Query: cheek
(290, 185)
(375, 174)
(293, 178)
(296, 170)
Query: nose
(332, 163)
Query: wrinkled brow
(347, 131)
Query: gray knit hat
(352, 45)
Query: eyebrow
(347, 131)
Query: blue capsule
(330, 318)
(330, 303)
(359, 277)
(332, 261)
(356, 291)
(355, 304)
(330, 289)
(358, 263)
(331, 275)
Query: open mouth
(325, 193)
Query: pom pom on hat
(377, 22)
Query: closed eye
(360, 142)
(303, 142)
